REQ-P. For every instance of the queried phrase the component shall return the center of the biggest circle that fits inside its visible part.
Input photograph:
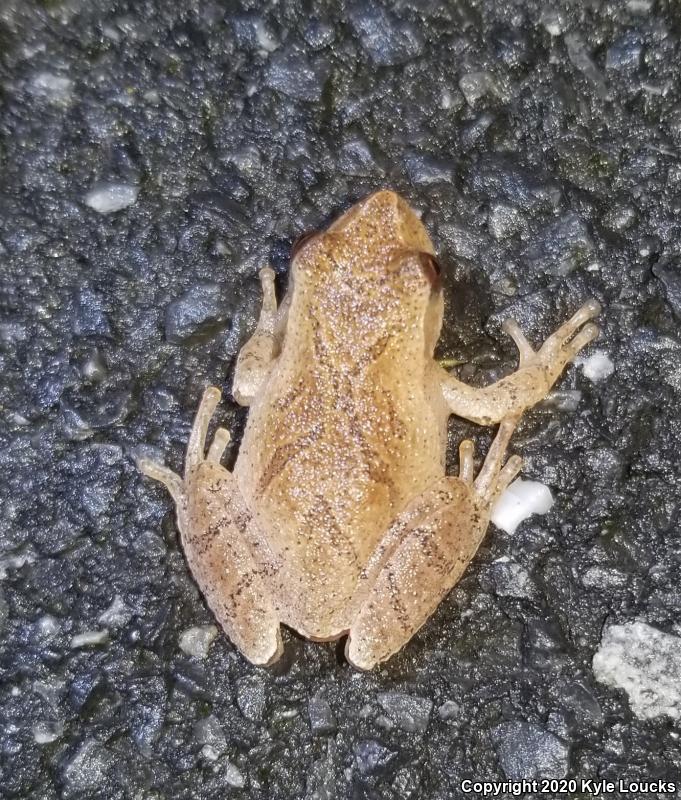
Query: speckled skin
(338, 517)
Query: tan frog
(338, 517)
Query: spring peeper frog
(338, 518)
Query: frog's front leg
(536, 374)
(215, 527)
(256, 356)
(425, 552)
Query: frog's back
(349, 428)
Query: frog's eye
(431, 269)
(301, 241)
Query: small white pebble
(89, 638)
(646, 663)
(116, 615)
(233, 775)
(53, 87)
(520, 500)
(210, 753)
(47, 626)
(596, 366)
(109, 197)
(265, 41)
(197, 640)
(47, 732)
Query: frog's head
(379, 238)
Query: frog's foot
(425, 552)
(195, 448)
(563, 345)
(533, 379)
(495, 476)
(216, 529)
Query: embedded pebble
(209, 733)
(529, 752)
(520, 501)
(553, 20)
(476, 85)
(408, 712)
(89, 316)
(47, 732)
(425, 169)
(197, 310)
(196, 641)
(387, 40)
(232, 775)
(297, 76)
(646, 663)
(116, 615)
(251, 698)
(449, 710)
(55, 88)
(668, 272)
(109, 197)
(322, 719)
(89, 639)
(625, 53)
(561, 246)
(87, 769)
(581, 58)
(503, 220)
(510, 579)
(596, 366)
(372, 757)
(319, 34)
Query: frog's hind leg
(215, 529)
(438, 534)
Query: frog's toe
(511, 327)
(562, 339)
(197, 439)
(159, 472)
(466, 464)
(581, 340)
(220, 441)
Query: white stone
(89, 638)
(266, 42)
(520, 500)
(116, 615)
(233, 775)
(55, 88)
(646, 663)
(109, 197)
(47, 732)
(197, 640)
(596, 366)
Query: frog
(338, 518)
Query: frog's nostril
(301, 241)
(431, 269)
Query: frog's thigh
(432, 554)
(434, 549)
(213, 537)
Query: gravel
(154, 157)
